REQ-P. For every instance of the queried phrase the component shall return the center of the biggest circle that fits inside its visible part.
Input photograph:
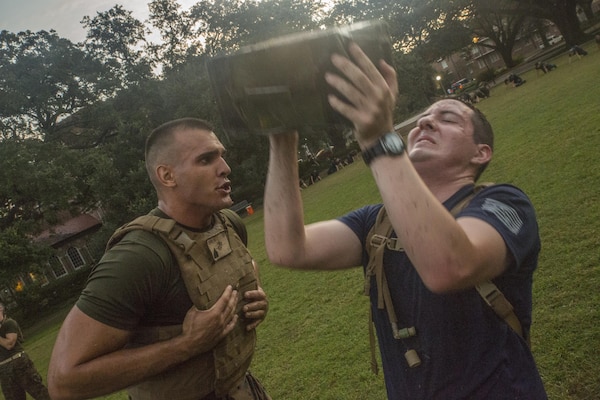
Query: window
(75, 257)
(57, 267)
(39, 278)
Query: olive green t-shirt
(136, 283)
(10, 326)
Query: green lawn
(314, 343)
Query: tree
(117, 40)
(563, 13)
(273, 18)
(220, 24)
(586, 6)
(19, 255)
(415, 83)
(445, 41)
(498, 24)
(227, 26)
(39, 183)
(51, 179)
(45, 78)
(175, 29)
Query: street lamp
(438, 78)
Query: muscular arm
(88, 359)
(323, 245)
(448, 254)
(9, 341)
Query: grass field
(314, 343)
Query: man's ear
(164, 174)
(483, 154)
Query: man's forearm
(115, 371)
(284, 224)
(437, 245)
(7, 343)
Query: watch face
(394, 144)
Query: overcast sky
(64, 16)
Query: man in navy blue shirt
(460, 349)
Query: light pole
(438, 78)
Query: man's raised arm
(324, 245)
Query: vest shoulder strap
(379, 238)
(237, 223)
(152, 223)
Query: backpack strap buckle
(378, 240)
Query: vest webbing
(205, 273)
(379, 238)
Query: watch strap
(378, 149)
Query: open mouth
(226, 187)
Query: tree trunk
(506, 54)
(565, 17)
(586, 6)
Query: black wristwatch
(390, 144)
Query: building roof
(68, 229)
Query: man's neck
(189, 218)
(443, 190)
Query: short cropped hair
(158, 143)
(482, 133)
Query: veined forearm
(284, 222)
(438, 247)
(115, 371)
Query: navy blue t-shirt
(466, 350)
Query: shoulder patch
(505, 214)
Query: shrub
(486, 76)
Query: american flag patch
(505, 214)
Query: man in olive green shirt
(17, 372)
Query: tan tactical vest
(209, 261)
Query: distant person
(170, 310)
(438, 337)
(335, 165)
(314, 177)
(349, 158)
(514, 80)
(18, 375)
(544, 67)
(578, 51)
(483, 90)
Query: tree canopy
(74, 116)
